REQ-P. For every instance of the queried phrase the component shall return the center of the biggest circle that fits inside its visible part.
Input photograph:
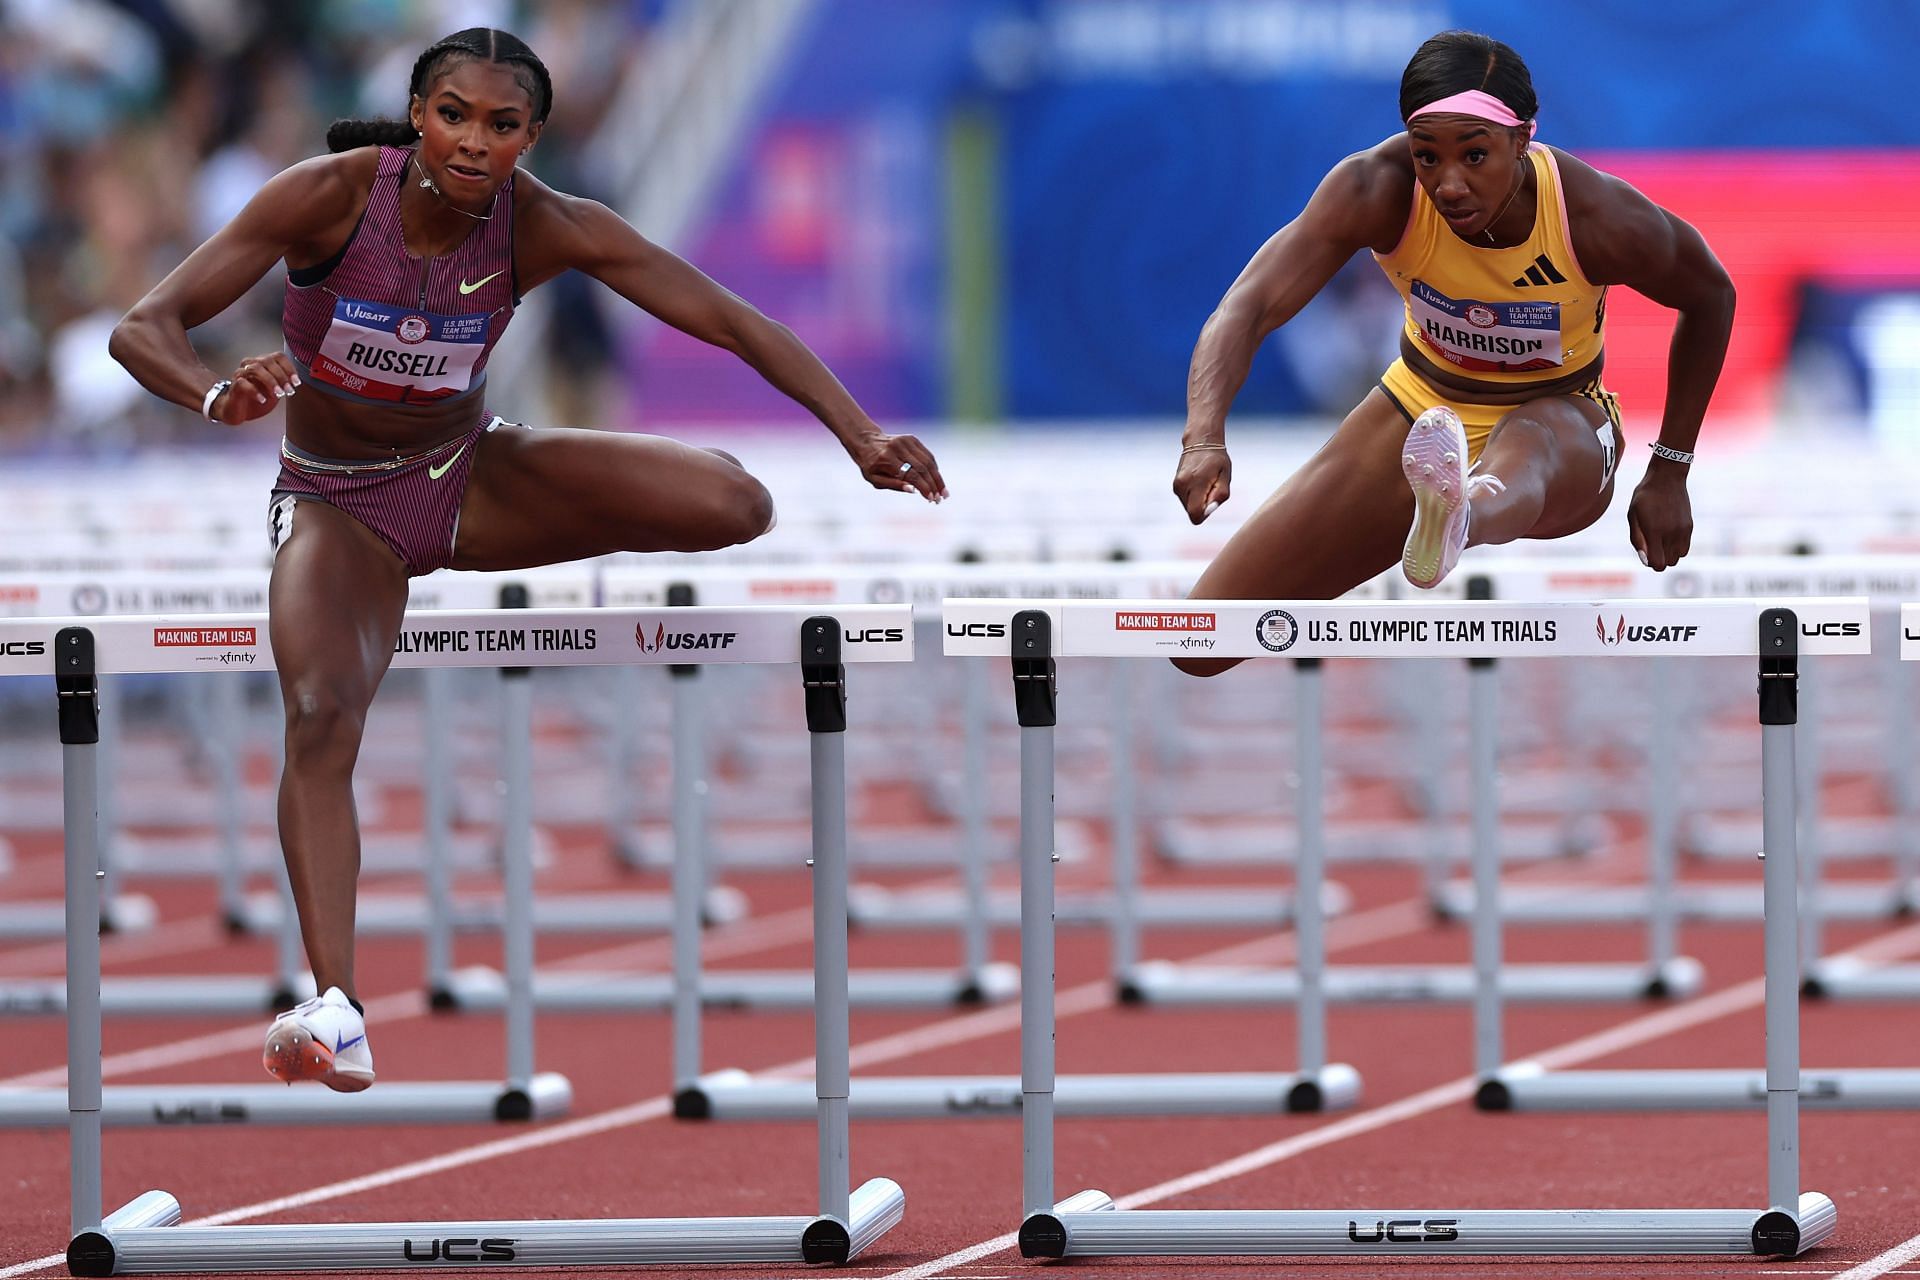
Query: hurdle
(1087, 1223)
(1667, 901)
(1311, 980)
(477, 988)
(143, 1236)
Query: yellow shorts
(1413, 395)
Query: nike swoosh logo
(466, 288)
(345, 1045)
(434, 473)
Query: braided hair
(483, 43)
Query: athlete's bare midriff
(1446, 379)
(330, 427)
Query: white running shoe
(322, 1039)
(1435, 464)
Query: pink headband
(1481, 106)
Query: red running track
(1414, 1141)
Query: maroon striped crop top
(377, 325)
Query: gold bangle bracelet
(1191, 448)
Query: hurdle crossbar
(143, 1237)
(1088, 1224)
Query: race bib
(1497, 337)
(383, 352)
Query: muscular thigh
(555, 494)
(1563, 435)
(1338, 521)
(335, 602)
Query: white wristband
(1670, 454)
(213, 393)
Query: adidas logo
(1541, 272)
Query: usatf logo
(678, 640)
(203, 637)
(1276, 630)
(1163, 621)
(1638, 634)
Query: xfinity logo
(1406, 1231)
(977, 630)
(460, 1249)
(1637, 634)
(672, 640)
(22, 648)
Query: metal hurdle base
(479, 989)
(1602, 903)
(187, 994)
(1193, 843)
(873, 907)
(1848, 979)
(1087, 1225)
(876, 846)
(736, 1095)
(176, 857)
(141, 1239)
(1526, 1086)
(1842, 839)
(127, 913)
(1164, 982)
(406, 915)
(546, 1096)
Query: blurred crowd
(130, 130)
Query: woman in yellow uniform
(1493, 423)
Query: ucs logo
(1829, 628)
(22, 648)
(977, 630)
(877, 635)
(460, 1249)
(1406, 1231)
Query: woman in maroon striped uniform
(407, 249)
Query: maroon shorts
(414, 508)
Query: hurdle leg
(78, 691)
(1482, 737)
(1663, 910)
(977, 835)
(1809, 871)
(437, 803)
(1779, 780)
(516, 699)
(826, 699)
(1309, 920)
(1034, 701)
(1124, 926)
(689, 853)
(107, 776)
(226, 734)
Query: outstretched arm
(1635, 242)
(1362, 201)
(303, 205)
(588, 236)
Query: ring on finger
(905, 467)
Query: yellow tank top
(1518, 315)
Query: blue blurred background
(982, 212)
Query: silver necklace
(1488, 232)
(428, 183)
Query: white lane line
(1896, 1257)
(1637, 1031)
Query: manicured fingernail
(1644, 560)
(1211, 508)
